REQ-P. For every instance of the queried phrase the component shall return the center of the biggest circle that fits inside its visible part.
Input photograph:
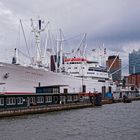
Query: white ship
(73, 75)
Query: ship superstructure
(81, 67)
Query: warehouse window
(1, 101)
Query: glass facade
(134, 62)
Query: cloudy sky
(114, 23)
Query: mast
(61, 50)
(59, 53)
(37, 32)
(37, 40)
(84, 44)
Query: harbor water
(119, 121)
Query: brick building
(114, 64)
(134, 80)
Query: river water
(110, 122)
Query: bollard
(98, 99)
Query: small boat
(126, 99)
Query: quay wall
(44, 109)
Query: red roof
(75, 59)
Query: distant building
(134, 62)
(114, 64)
(134, 80)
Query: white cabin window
(48, 99)
(32, 100)
(1, 101)
(75, 97)
(40, 99)
(55, 90)
(11, 101)
(20, 100)
(69, 98)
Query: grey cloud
(112, 22)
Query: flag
(72, 51)
(78, 49)
(49, 50)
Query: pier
(58, 107)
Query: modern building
(113, 65)
(134, 62)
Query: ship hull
(17, 78)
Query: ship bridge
(81, 67)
